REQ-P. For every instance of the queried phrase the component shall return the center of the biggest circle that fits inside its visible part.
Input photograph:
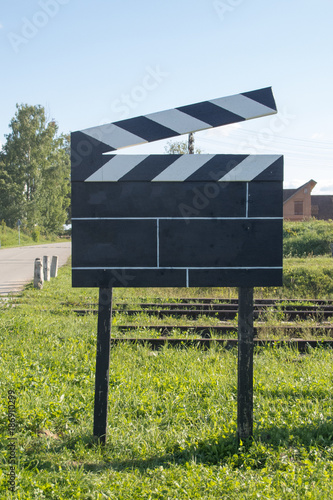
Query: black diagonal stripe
(149, 168)
(264, 96)
(211, 114)
(216, 168)
(272, 173)
(146, 128)
(87, 155)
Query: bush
(312, 237)
(36, 234)
(303, 279)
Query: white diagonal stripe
(182, 168)
(249, 168)
(116, 168)
(178, 121)
(243, 106)
(114, 136)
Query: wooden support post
(46, 267)
(245, 364)
(54, 266)
(102, 363)
(38, 274)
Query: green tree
(35, 172)
(179, 148)
(53, 200)
(11, 205)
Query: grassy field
(172, 413)
(309, 237)
(310, 277)
(10, 238)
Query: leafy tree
(179, 148)
(54, 193)
(34, 172)
(8, 194)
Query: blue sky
(94, 62)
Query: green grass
(304, 277)
(172, 413)
(310, 237)
(309, 277)
(9, 238)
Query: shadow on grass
(225, 449)
(207, 452)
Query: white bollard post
(46, 267)
(38, 274)
(54, 266)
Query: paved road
(17, 264)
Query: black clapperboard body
(176, 220)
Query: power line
(282, 140)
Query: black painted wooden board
(176, 220)
(177, 243)
(114, 243)
(265, 199)
(176, 199)
(177, 225)
(129, 278)
(220, 243)
(176, 277)
(161, 199)
(235, 277)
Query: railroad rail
(213, 331)
(301, 345)
(223, 312)
(295, 311)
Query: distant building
(322, 206)
(299, 204)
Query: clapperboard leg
(102, 364)
(245, 365)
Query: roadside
(17, 264)
(10, 237)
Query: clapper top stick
(176, 220)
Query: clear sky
(90, 62)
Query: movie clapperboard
(199, 220)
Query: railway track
(224, 311)
(222, 315)
(272, 302)
(296, 312)
(224, 331)
(301, 345)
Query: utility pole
(191, 143)
(18, 227)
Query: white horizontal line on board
(175, 268)
(177, 218)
